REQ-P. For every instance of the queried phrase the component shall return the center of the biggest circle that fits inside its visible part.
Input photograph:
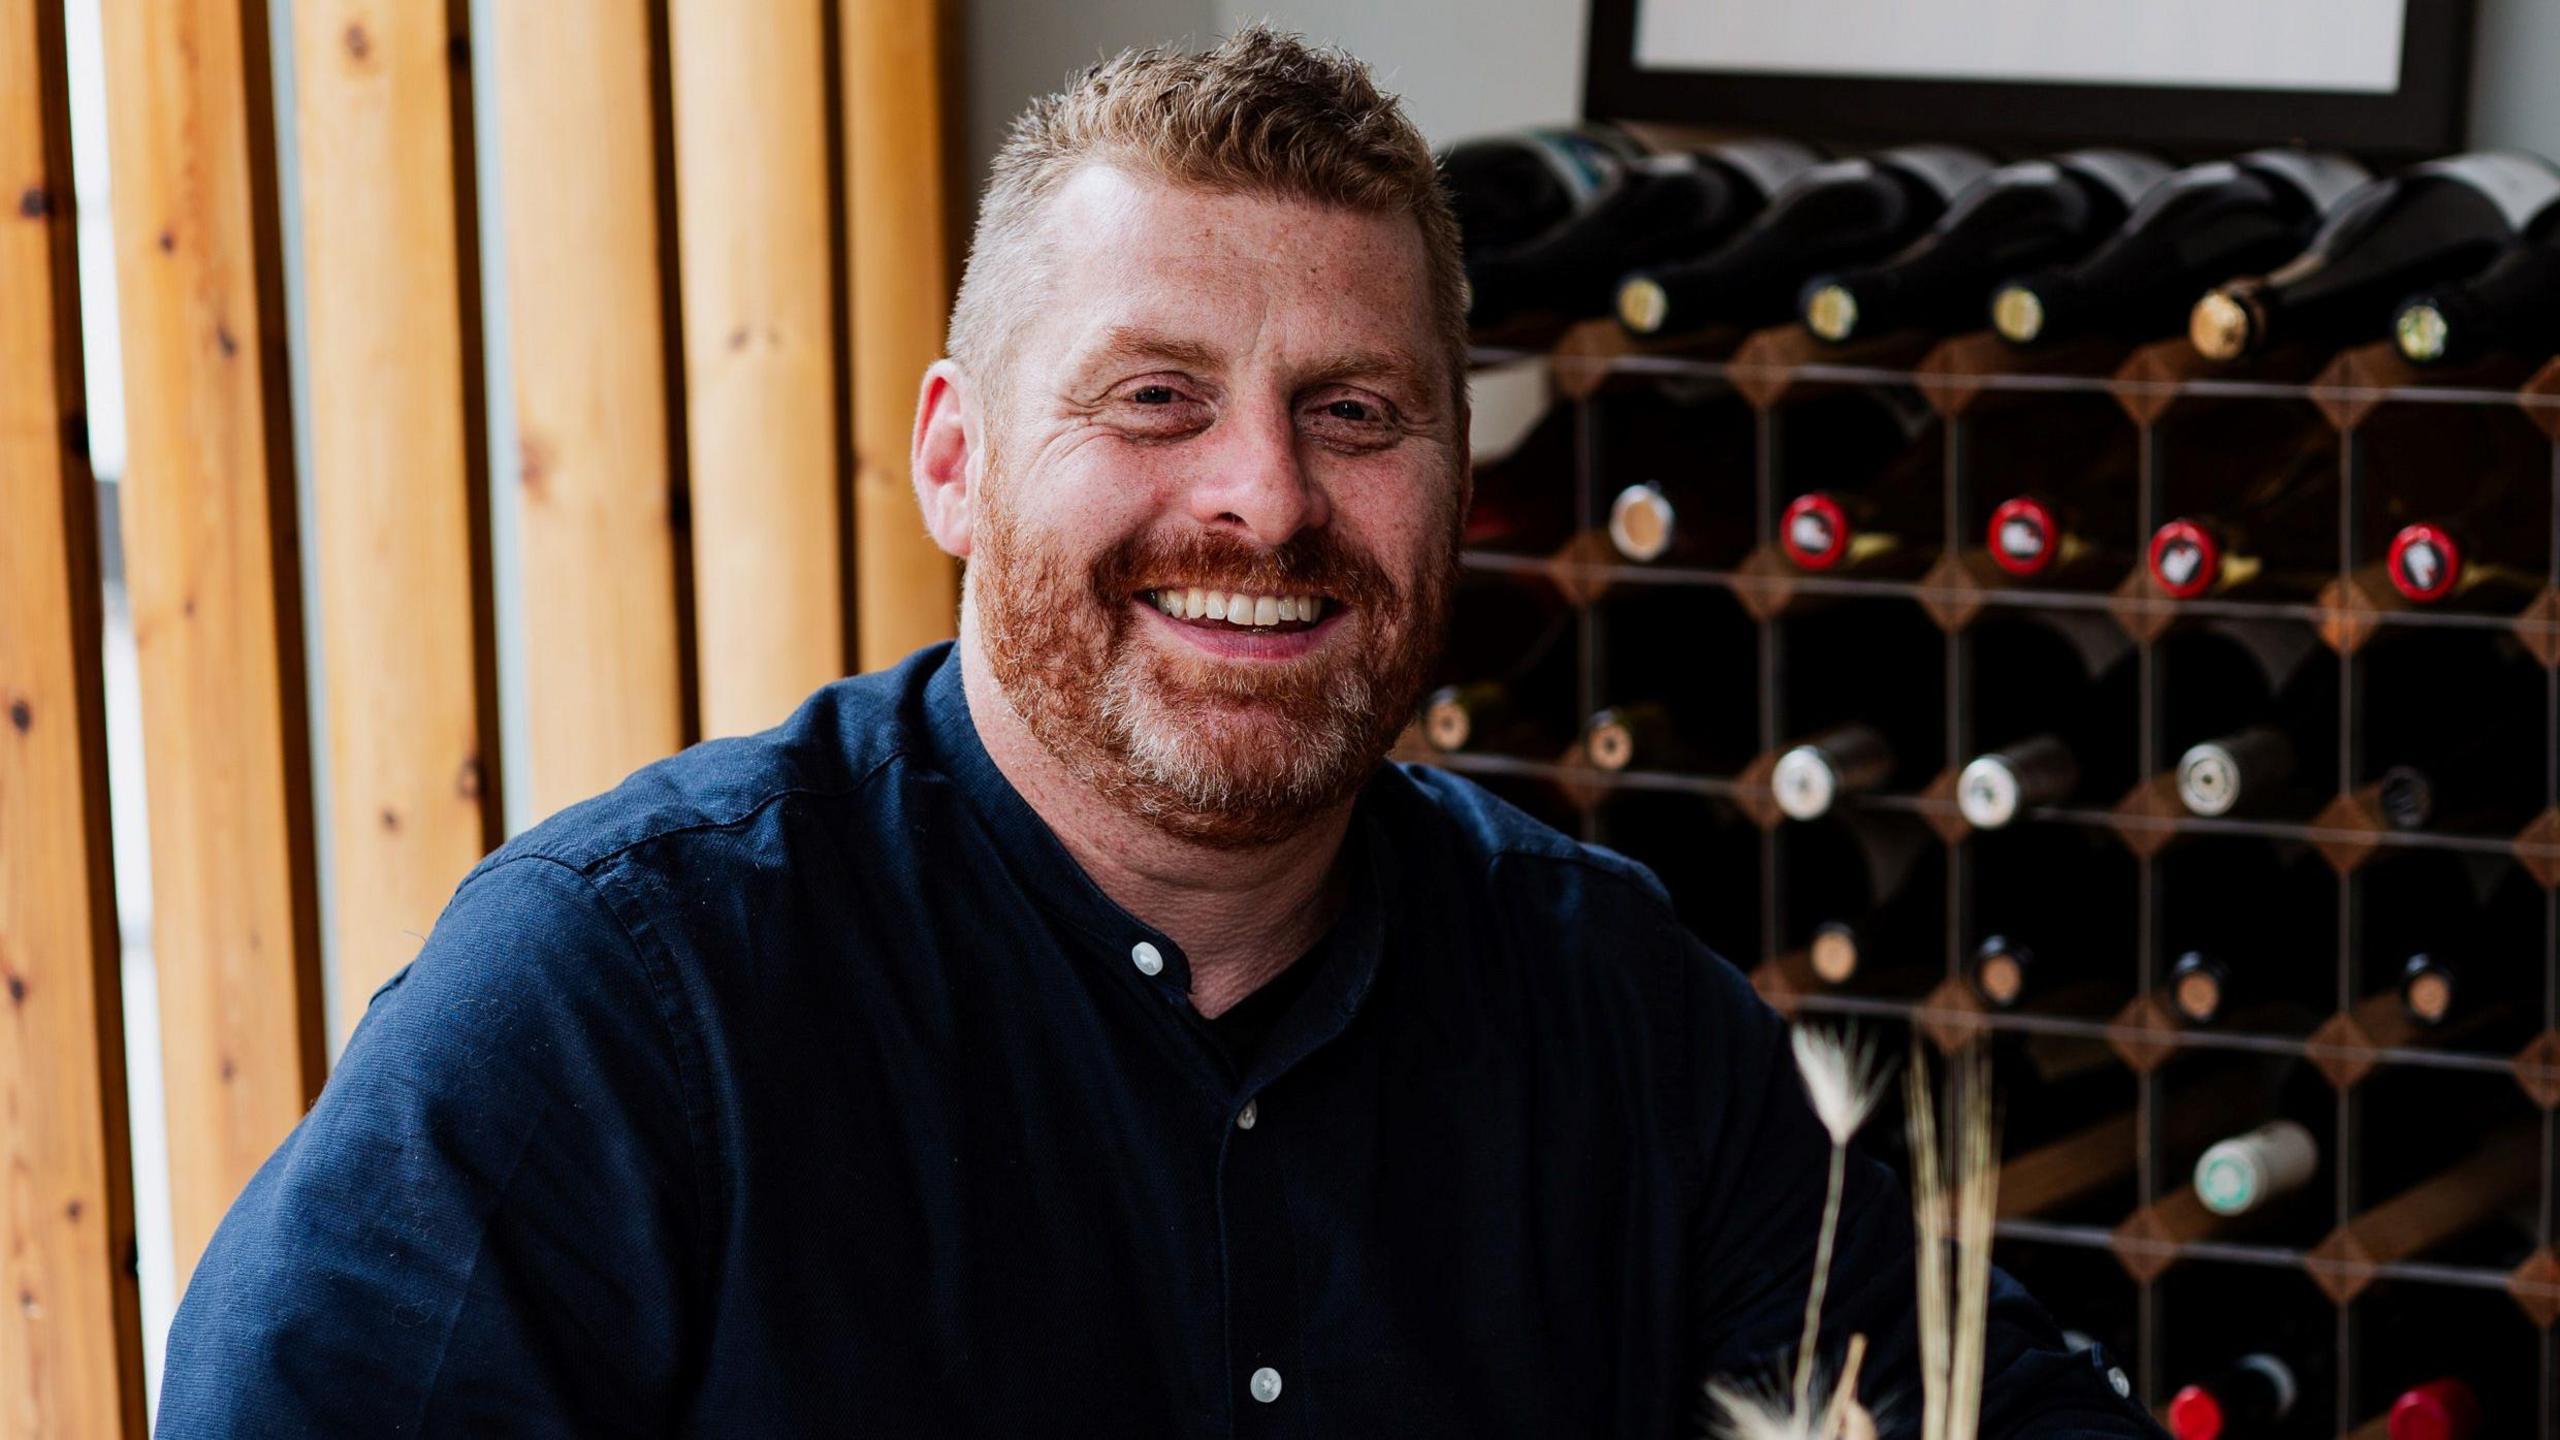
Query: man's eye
(1351, 410)
(1153, 395)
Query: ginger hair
(1261, 113)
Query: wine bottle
(1487, 716)
(2199, 988)
(1509, 189)
(1994, 789)
(2278, 536)
(2248, 1171)
(1675, 203)
(2511, 307)
(2203, 224)
(2252, 1396)
(2434, 222)
(1641, 736)
(2441, 1409)
(1841, 213)
(2239, 773)
(2000, 970)
(2055, 693)
(1678, 457)
(1674, 517)
(2430, 562)
(2428, 989)
(1889, 526)
(2019, 216)
(2055, 541)
(1810, 777)
(1877, 925)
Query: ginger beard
(1221, 752)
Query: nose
(1256, 479)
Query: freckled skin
(1196, 364)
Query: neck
(1241, 916)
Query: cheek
(1095, 488)
(1408, 522)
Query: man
(1079, 1031)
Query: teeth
(1237, 608)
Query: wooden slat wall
(384, 221)
(751, 143)
(70, 1327)
(897, 68)
(591, 373)
(208, 507)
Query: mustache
(1312, 561)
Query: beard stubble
(1223, 753)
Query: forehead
(1233, 271)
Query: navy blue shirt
(804, 1085)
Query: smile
(1237, 609)
(1235, 625)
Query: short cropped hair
(1262, 113)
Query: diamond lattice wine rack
(2185, 733)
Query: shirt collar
(1062, 889)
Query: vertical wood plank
(591, 365)
(208, 505)
(898, 147)
(404, 641)
(70, 1314)
(751, 140)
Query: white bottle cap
(1987, 792)
(1805, 783)
(2246, 1171)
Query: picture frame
(2421, 114)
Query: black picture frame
(2424, 116)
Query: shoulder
(1509, 846)
(840, 739)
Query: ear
(939, 454)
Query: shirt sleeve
(1765, 1164)
(481, 1227)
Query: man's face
(1223, 396)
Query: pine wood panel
(751, 133)
(70, 1327)
(605, 690)
(400, 550)
(897, 123)
(208, 507)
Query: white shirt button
(1149, 960)
(2115, 1377)
(1266, 1384)
(1251, 1112)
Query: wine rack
(2377, 1271)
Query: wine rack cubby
(2191, 975)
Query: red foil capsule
(2185, 559)
(2195, 1415)
(1814, 531)
(2437, 1410)
(2426, 562)
(2024, 536)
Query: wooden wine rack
(2167, 1264)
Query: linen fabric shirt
(804, 1085)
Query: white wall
(1468, 66)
